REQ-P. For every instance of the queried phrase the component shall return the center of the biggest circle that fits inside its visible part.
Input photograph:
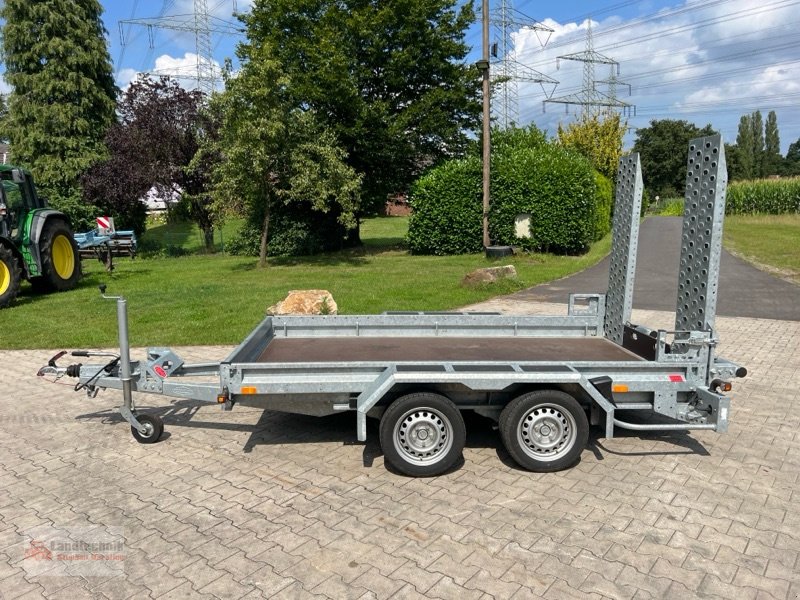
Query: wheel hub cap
(63, 257)
(5, 278)
(423, 436)
(547, 432)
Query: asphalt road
(744, 291)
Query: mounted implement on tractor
(36, 242)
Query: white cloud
(182, 68)
(690, 61)
(125, 76)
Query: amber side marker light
(619, 388)
(721, 386)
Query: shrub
(604, 205)
(770, 196)
(555, 186)
(448, 209)
(294, 230)
(82, 215)
(517, 138)
(672, 208)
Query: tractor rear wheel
(61, 263)
(10, 277)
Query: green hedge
(604, 205)
(770, 196)
(568, 202)
(447, 209)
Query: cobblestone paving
(250, 504)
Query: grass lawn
(770, 242)
(218, 299)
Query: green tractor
(36, 242)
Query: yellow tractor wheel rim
(5, 278)
(63, 257)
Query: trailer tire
(61, 261)
(422, 434)
(10, 276)
(545, 430)
(154, 426)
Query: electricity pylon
(508, 71)
(202, 25)
(589, 97)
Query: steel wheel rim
(423, 436)
(5, 278)
(547, 432)
(63, 257)
(148, 428)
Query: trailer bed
(444, 349)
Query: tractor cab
(17, 198)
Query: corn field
(764, 196)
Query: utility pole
(487, 126)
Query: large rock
(489, 275)
(305, 302)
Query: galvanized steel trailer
(544, 379)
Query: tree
(662, 149)
(733, 161)
(274, 152)
(757, 123)
(757, 147)
(197, 177)
(3, 117)
(745, 144)
(63, 93)
(772, 145)
(791, 163)
(153, 109)
(598, 138)
(387, 77)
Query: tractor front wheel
(61, 263)
(10, 277)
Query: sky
(705, 61)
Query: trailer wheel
(61, 263)
(10, 276)
(154, 426)
(545, 430)
(422, 434)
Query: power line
(201, 24)
(589, 97)
(717, 59)
(662, 33)
(508, 70)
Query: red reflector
(159, 371)
(676, 378)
